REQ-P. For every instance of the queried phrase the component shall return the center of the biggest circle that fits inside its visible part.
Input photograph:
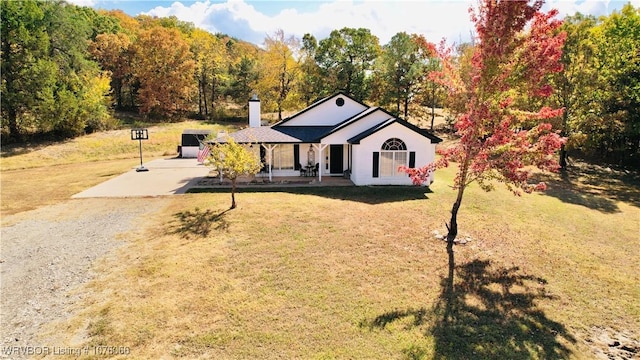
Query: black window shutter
(376, 163)
(412, 159)
(296, 157)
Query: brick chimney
(254, 111)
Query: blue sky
(254, 20)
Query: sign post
(140, 134)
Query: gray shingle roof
(262, 134)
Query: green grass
(326, 273)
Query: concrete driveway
(165, 177)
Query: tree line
(65, 68)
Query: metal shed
(190, 143)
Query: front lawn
(356, 273)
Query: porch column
(320, 148)
(269, 148)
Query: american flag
(203, 152)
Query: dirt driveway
(47, 256)
(165, 177)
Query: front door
(336, 156)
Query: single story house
(339, 136)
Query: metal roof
(196, 132)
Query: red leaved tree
(502, 131)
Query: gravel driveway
(47, 255)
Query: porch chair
(303, 170)
(316, 169)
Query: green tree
(577, 81)
(26, 69)
(242, 70)
(244, 77)
(46, 70)
(616, 132)
(232, 160)
(311, 82)
(403, 67)
(345, 59)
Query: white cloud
(82, 2)
(433, 19)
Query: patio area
(213, 181)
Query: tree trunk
(433, 106)
(12, 118)
(204, 98)
(563, 157)
(449, 293)
(200, 87)
(117, 88)
(451, 236)
(213, 95)
(406, 107)
(233, 194)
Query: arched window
(393, 154)
(394, 144)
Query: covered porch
(296, 152)
(262, 180)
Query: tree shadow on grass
(593, 186)
(492, 314)
(198, 223)
(366, 194)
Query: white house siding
(342, 135)
(362, 169)
(327, 113)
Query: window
(394, 144)
(394, 154)
(283, 157)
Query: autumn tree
(279, 70)
(210, 68)
(164, 66)
(518, 47)
(112, 53)
(232, 160)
